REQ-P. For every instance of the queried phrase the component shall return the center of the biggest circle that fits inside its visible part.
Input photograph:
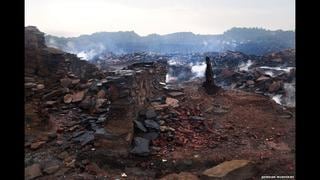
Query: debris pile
(86, 123)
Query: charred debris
(86, 121)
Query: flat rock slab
(234, 169)
(275, 86)
(171, 88)
(101, 94)
(172, 102)
(67, 98)
(219, 111)
(151, 124)
(85, 138)
(140, 126)
(197, 118)
(40, 86)
(150, 135)
(51, 167)
(66, 82)
(30, 85)
(32, 171)
(278, 146)
(141, 147)
(263, 78)
(180, 176)
(94, 169)
(140, 172)
(78, 96)
(161, 99)
(169, 102)
(75, 81)
(49, 103)
(36, 145)
(175, 94)
(150, 114)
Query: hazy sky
(75, 17)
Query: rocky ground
(82, 123)
(181, 131)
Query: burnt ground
(236, 125)
(205, 130)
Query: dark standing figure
(209, 85)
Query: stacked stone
(116, 137)
(45, 67)
(129, 90)
(52, 64)
(34, 41)
(81, 68)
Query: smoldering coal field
(155, 116)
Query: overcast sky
(75, 17)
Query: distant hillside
(254, 41)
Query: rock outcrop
(209, 84)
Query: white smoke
(70, 46)
(91, 53)
(52, 42)
(290, 98)
(85, 55)
(198, 69)
(286, 69)
(170, 78)
(270, 73)
(245, 66)
(277, 98)
(205, 43)
(175, 61)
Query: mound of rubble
(282, 58)
(86, 123)
(266, 77)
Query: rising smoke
(245, 66)
(198, 70)
(286, 69)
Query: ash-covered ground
(147, 116)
